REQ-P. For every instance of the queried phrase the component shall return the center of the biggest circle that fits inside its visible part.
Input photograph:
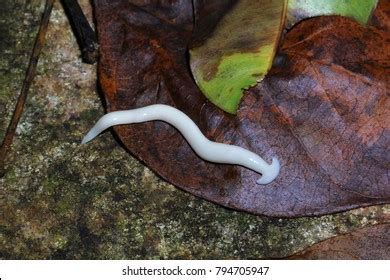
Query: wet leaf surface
(322, 110)
(370, 243)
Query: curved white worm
(206, 149)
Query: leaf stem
(30, 73)
(84, 33)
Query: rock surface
(60, 199)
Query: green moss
(90, 115)
(15, 48)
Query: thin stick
(30, 73)
(84, 33)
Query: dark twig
(85, 35)
(39, 43)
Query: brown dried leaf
(371, 243)
(323, 110)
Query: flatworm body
(204, 148)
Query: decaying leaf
(207, 14)
(323, 110)
(239, 51)
(371, 243)
(236, 40)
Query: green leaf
(240, 51)
(236, 41)
(360, 10)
